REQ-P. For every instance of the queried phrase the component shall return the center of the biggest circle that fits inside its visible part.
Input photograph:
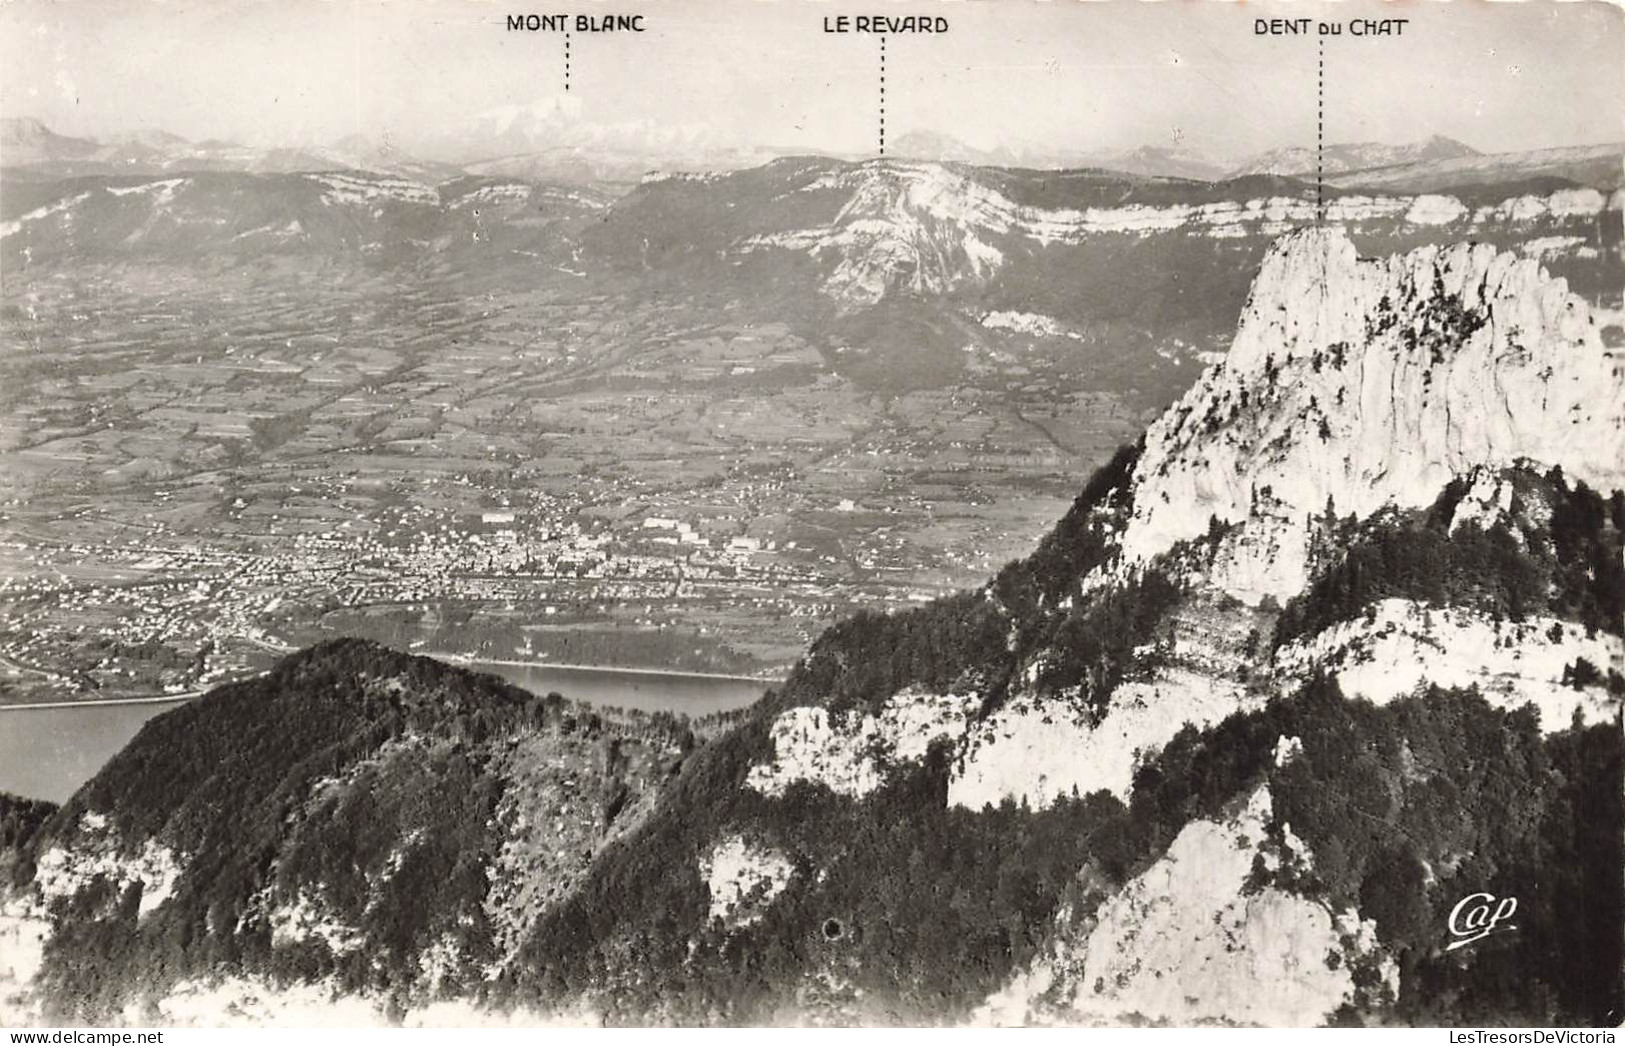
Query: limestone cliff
(1362, 383)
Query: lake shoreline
(51, 748)
(467, 661)
(106, 702)
(460, 660)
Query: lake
(47, 753)
(646, 691)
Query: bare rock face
(1187, 941)
(920, 228)
(1362, 383)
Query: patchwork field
(201, 473)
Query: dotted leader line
(1320, 130)
(567, 60)
(882, 96)
(1320, 161)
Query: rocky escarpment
(1354, 384)
(1366, 408)
(927, 229)
(1188, 941)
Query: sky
(1021, 75)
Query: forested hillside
(344, 817)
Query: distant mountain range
(30, 147)
(1150, 160)
(893, 266)
(550, 141)
(1434, 162)
(1352, 156)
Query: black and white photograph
(812, 513)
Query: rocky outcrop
(742, 879)
(1036, 751)
(1188, 941)
(852, 756)
(1361, 383)
(94, 851)
(1401, 645)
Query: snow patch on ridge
(1032, 323)
(162, 191)
(351, 189)
(15, 226)
(1404, 644)
(281, 232)
(503, 192)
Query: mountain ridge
(548, 141)
(1346, 157)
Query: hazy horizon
(114, 138)
(437, 78)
